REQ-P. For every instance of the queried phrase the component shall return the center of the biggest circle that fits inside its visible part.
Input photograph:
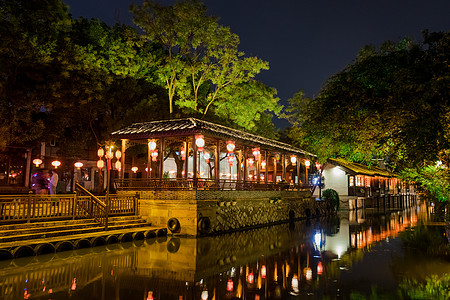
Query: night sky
(305, 42)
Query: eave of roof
(359, 169)
(190, 126)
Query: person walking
(53, 182)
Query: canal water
(334, 258)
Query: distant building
(355, 182)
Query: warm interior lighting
(37, 161)
(134, 169)
(263, 164)
(56, 163)
(78, 164)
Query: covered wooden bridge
(195, 154)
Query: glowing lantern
(100, 164)
(207, 156)
(100, 152)
(293, 160)
(319, 268)
(230, 160)
(250, 278)
(37, 161)
(307, 163)
(230, 285)
(154, 155)
(263, 271)
(118, 154)
(56, 163)
(200, 142)
(204, 295)
(109, 154)
(318, 165)
(230, 146)
(152, 145)
(134, 169)
(256, 153)
(78, 164)
(183, 153)
(263, 164)
(250, 162)
(277, 156)
(118, 165)
(308, 273)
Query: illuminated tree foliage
(77, 80)
(393, 102)
(202, 69)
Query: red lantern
(183, 153)
(154, 155)
(230, 146)
(230, 285)
(256, 153)
(250, 278)
(250, 162)
(200, 142)
(263, 271)
(207, 156)
(319, 268)
(230, 159)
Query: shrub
(332, 197)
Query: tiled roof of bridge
(359, 169)
(190, 126)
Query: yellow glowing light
(100, 152)
(56, 163)
(152, 145)
(78, 164)
(100, 164)
(37, 161)
(134, 169)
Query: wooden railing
(32, 208)
(203, 184)
(95, 208)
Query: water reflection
(277, 262)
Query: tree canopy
(77, 80)
(392, 102)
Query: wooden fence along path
(33, 208)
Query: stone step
(67, 226)
(47, 234)
(19, 226)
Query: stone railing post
(74, 205)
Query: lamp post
(109, 155)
